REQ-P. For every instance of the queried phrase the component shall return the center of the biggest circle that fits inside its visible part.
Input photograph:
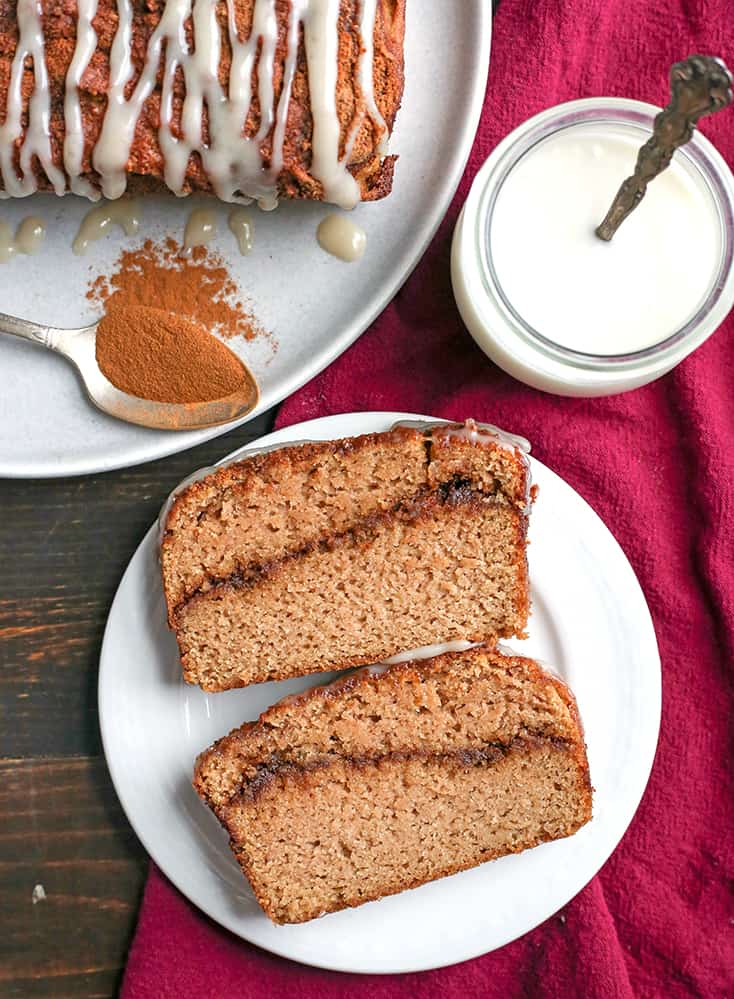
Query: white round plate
(589, 620)
(315, 305)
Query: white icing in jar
(560, 309)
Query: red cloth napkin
(657, 465)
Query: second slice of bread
(385, 780)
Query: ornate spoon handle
(46, 335)
(699, 86)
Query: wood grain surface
(64, 545)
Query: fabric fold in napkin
(658, 466)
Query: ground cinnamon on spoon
(156, 355)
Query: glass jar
(497, 322)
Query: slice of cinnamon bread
(330, 555)
(392, 777)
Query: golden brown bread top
(145, 166)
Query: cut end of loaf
(383, 781)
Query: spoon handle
(47, 336)
(699, 86)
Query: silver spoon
(699, 86)
(78, 346)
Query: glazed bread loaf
(288, 98)
(387, 779)
(338, 554)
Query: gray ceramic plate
(315, 305)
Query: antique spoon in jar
(78, 346)
(699, 86)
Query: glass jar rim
(701, 156)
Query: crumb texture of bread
(372, 170)
(442, 572)
(383, 781)
(258, 510)
(327, 556)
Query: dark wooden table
(63, 547)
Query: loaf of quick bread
(397, 776)
(262, 100)
(338, 554)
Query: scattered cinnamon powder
(154, 354)
(198, 287)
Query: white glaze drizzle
(86, 43)
(97, 222)
(506, 650)
(29, 235)
(340, 237)
(470, 430)
(36, 136)
(289, 73)
(368, 15)
(7, 243)
(112, 150)
(27, 239)
(233, 161)
(201, 228)
(322, 40)
(241, 226)
(424, 652)
(176, 151)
